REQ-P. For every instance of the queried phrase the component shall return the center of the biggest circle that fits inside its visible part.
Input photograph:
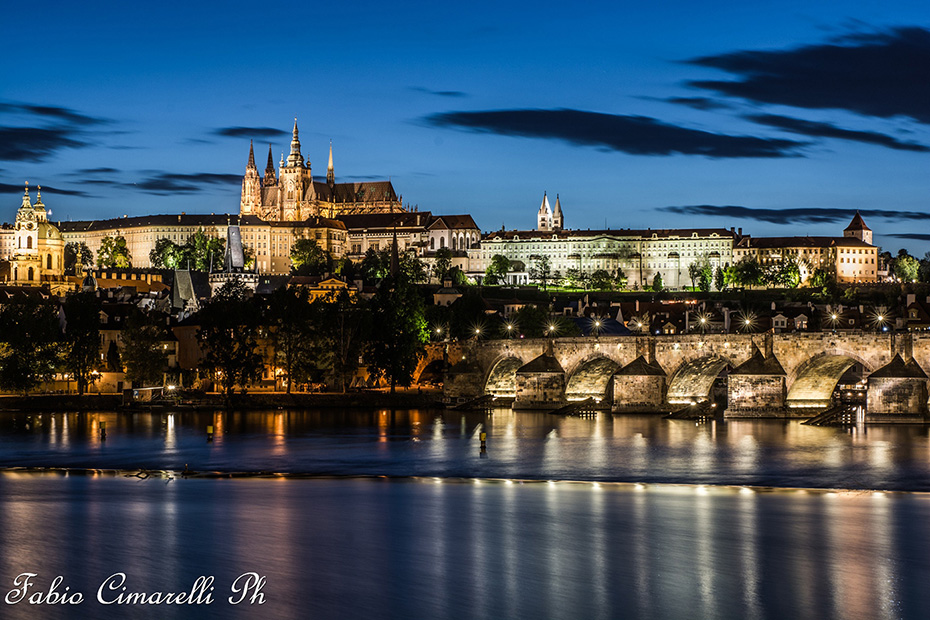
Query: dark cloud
(880, 74)
(439, 93)
(250, 132)
(637, 135)
(94, 171)
(7, 189)
(912, 236)
(175, 183)
(827, 130)
(35, 144)
(66, 115)
(699, 103)
(793, 216)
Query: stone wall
(892, 397)
(753, 396)
(639, 393)
(539, 390)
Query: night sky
(782, 118)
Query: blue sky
(781, 118)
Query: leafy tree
(531, 321)
(694, 272)
(348, 327)
(166, 254)
(601, 280)
(142, 348)
(821, 277)
(747, 272)
(787, 274)
(309, 259)
(229, 337)
(346, 269)
(114, 252)
(657, 282)
(443, 264)
(497, 270)
(402, 333)
(720, 278)
(248, 258)
(621, 279)
(82, 337)
(906, 268)
(29, 344)
(577, 278)
(412, 267)
(541, 271)
(203, 252)
(77, 256)
(113, 361)
(375, 265)
(295, 332)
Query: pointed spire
(26, 202)
(395, 258)
(330, 173)
(251, 164)
(544, 207)
(295, 158)
(270, 178)
(39, 204)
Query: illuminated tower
(251, 200)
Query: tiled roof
(455, 222)
(764, 243)
(404, 219)
(543, 363)
(898, 369)
(683, 233)
(191, 219)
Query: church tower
(294, 180)
(858, 230)
(544, 215)
(270, 179)
(330, 173)
(38, 249)
(557, 215)
(251, 201)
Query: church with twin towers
(290, 193)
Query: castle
(293, 195)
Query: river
(613, 517)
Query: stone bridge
(761, 375)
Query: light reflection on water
(356, 548)
(446, 443)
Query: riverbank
(407, 399)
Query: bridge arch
(590, 379)
(694, 380)
(502, 380)
(815, 379)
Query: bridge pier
(639, 387)
(897, 392)
(757, 388)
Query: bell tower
(251, 201)
(294, 180)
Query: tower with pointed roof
(544, 215)
(251, 200)
(38, 249)
(293, 180)
(557, 223)
(330, 173)
(858, 230)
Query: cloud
(912, 236)
(93, 171)
(66, 115)
(881, 74)
(438, 93)
(793, 216)
(166, 183)
(699, 103)
(35, 144)
(250, 132)
(827, 130)
(6, 188)
(636, 135)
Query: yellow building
(852, 257)
(32, 247)
(271, 242)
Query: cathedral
(292, 194)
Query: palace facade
(32, 248)
(292, 194)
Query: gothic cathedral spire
(251, 199)
(330, 173)
(270, 178)
(295, 159)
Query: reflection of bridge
(763, 374)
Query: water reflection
(445, 443)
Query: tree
(443, 264)
(203, 252)
(309, 259)
(412, 267)
(720, 278)
(822, 277)
(166, 254)
(747, 272)
(82, 337)
(348, 325)
(906, 268)
(497, 270)
(29, 344)
(375, 265)
(531, 321)
(295, 333)
(694, 272)
(77, 257)
(114, 252)
(601, 280)
(657, 282)
(228, 336)
(541, 271)
(786, 274)
(402, 333)
(577, 278)
(113, 361)
(142, 348)
(621, 279)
